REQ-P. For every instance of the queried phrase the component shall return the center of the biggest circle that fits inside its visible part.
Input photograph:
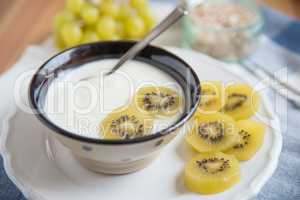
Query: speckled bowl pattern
(114, 156)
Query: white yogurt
(80, 99)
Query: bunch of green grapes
(83, 22)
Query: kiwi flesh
(211, 173)
(126, 124)
(158, 101)
(251, 136)
(211, 96)
(212, 132)
(241, 101)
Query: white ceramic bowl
(114, 156)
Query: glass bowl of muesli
(224, 29)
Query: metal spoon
(174, 16)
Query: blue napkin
(285, 183)
(282, 29)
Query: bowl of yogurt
(118, 123)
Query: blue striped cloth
(285, 183)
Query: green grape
(135, 27)
(75, 5)
(115, 37)
(71, 34)
(89, 36)
(109, 8)
(111, 37)
(58, 41)
(62, 17)
(120, 29)
(106, 26)
(89, 14)
(139, 4)
(148, 18)
(150, 23)
(125, 11)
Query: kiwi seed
(207, 101)
(212, 131)
(235, 100)
(245, 137)
(222, 164)
(158, 101)
(119, 125)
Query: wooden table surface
(24, 22)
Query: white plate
(46, 170)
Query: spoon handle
(174, 16)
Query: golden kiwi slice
(212, 133)
(211, 96)
(241, 101)
(126, 124)
(211, 173)
(251, 136)
(158, 101)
